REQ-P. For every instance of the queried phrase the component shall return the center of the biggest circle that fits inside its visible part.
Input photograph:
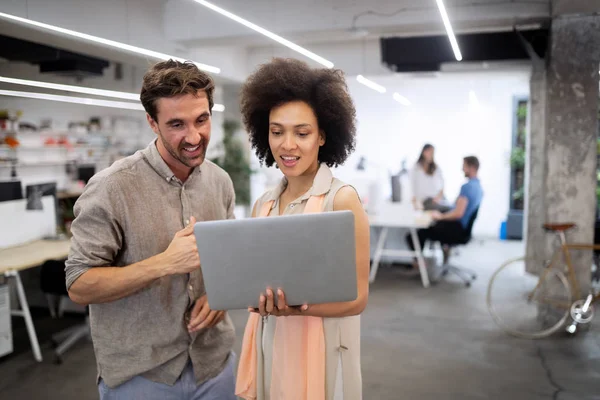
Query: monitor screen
(11, 190)
(85, 172)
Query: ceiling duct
(428, 53)
(51, 60)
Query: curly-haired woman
(303, 120)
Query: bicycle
(542, 305)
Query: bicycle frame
(564, 250)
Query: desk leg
(420, 259)
(378, 254)
(24, 312)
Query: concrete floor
(436, 343)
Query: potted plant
(234, 160)
(514, 221)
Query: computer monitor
(85, 172)
(11, 190)
(34, 194)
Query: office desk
(29, 255)
(399, 216)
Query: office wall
(34, 111)
(460, 113)
(444, 113)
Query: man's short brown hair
(171, 78)
(472, 161)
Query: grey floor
(436, 343)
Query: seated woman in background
(303, 121)
(427, 182)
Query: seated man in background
(454, 222)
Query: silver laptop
(310, 256)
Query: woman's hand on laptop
(266, 305)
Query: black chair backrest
(469, 228)
(52, 278)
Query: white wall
(34, 111)
(443, 115)
(354, 58)
(135, 22)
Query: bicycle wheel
(525, 305)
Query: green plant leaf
(519, 194)
(235, 162)
(522, 111)
(517, 158)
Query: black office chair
(53, 284)
(596, 266)
(466, 275)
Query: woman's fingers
(270, 301)
(281, 302)
(262, 304)
(266, 305)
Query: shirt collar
(158, 164)
(321, 185)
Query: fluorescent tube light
(85, 90)
(107, 42)
(218, 107)
(73, 99)
(71, 88)
(449, 30)
(267, 33)
(401, 99)
(370, 84)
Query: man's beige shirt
(128, 213)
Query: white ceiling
(311, 21)
(346, 31)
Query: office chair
(466, 275)
(53, 284)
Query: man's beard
(178, 155)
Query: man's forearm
(451, 216)
(106, 284)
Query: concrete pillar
(570, 7)
(562, 157)
(538, 245)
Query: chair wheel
(468, 284)
(474, 277)
(58, 360)
(444, 273)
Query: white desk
(29, 255)
(392, 216)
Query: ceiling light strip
(73, 99)
(401, 99)
(267, 33)
(107, 42)
(369, 83)
(449, 30)
(85, 90)
(71, 88)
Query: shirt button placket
(185, 207)
(186, 213)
